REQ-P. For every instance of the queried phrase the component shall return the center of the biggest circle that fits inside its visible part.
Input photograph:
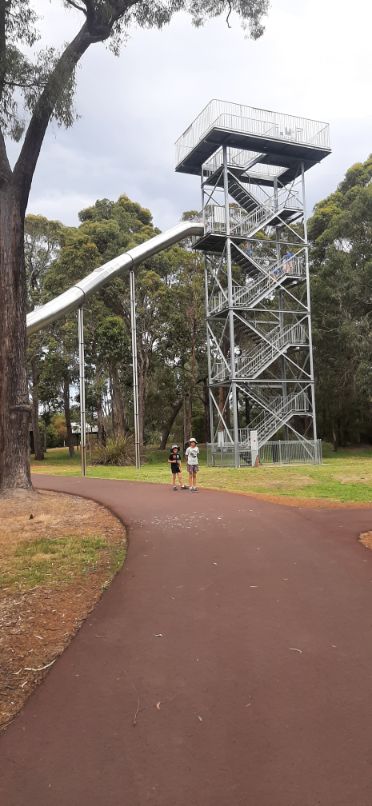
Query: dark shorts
(175, 468)
(192, 469)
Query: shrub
(117, 451)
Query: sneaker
(175, 488)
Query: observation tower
(252, 165)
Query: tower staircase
(264, 274)
(252, 163)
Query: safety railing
(248, 296)
(250, 365)
(220, 369)
(291, 452)
(240, 159)
(253, 364)
(267, 422)
(244, 224)
(306, 451)
(250, 120)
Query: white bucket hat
(192, 439)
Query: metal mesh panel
(280, 452)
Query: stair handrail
(275, 346)
(265, 421)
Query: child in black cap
(175, 462)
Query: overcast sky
(313, 60)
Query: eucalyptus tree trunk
(38, 442)
(100, 422)
(207, 425)
(187, 417)
(15, 184)
(15, 407)
(120, 423)
(169, 423)
(67, 413)
(143, 371)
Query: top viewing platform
(280, 139)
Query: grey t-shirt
(192, 455)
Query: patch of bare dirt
(37, 623)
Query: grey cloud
(133, 108)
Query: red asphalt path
(237, 637)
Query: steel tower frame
(257, 284)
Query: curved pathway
(229, 664)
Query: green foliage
(341, 234)
(118, 451)
(170, 323)
(46, 77)
(23, 78)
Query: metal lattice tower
(252, 165)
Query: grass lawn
(343, 477)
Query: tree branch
(2, 45)
(76, 5)
(96, 28)
(26, 163)
(229, 14)
(5, 169)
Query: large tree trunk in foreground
(14, 190)
(14, 400)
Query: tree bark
(15, 407)
(187, 417)
(14, 191)
(118, 407)
(143, 369)
(225, 412)
(168, 424)
(100, 422)
(38, 442)
(67, 412)
(207, 424)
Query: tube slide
(75, 296)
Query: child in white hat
(192, 455)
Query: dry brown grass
(57, 554)
(366, 539)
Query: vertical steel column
(209, 361)
(206, 295)
(132, 287)
(280, 299)
(83, 443)
(308, 303)
(231, 313)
